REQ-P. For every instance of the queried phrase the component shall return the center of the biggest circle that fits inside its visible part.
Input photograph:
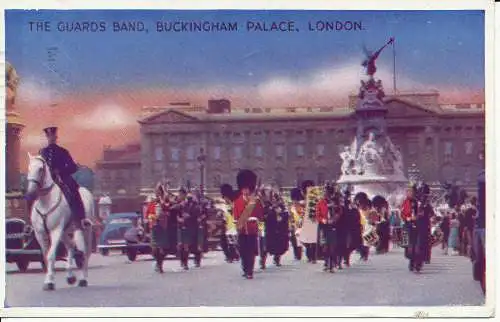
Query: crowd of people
(329, 224)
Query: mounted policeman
(62, 167)
(49, 179)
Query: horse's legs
(68, 243)
(55, 238)
(43, 241)
(83, 240)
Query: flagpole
(394, 66)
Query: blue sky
(444, 48)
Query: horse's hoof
(49, 286)
(71, 280)
(82, 283)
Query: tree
(85, 177)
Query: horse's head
(39, 178)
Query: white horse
(51, 219)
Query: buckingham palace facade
(287, 145)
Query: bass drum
(370, 236)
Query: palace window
(216, 152)
(469, 147)
(258, 151)
(190, 152)
(158, 153)
(448, 148)
(238, 152)
(300, 150)
(320, 150)
(280, 150)
(175, 152)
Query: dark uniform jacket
(59, 161)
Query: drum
(405, 238)
(370, 236)
(232, 237)
(436, 236)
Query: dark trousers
(248, 251)
(262, 250)
(330, 247)
(311, 252)
(70, 188)
(224, 245)
(297, 248)
(159, 256)
(414, 251)
(230, 251)
(341, 247)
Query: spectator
(445, 229)
(453, 240)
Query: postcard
(229, 161)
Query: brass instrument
(313, 195)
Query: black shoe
(410, 267)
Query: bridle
(39, 181)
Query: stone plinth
(14, 127)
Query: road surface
(381, 281)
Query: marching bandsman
(353, 229)
(296, 217)
(187, 221)
(277, 230)
(381, 206)
(265, 193)
(247, 211)
(328, 212)
(157, 225)
(309, 232)
(229, 237)
(409, 210)
(363, 205)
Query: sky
(95, 83)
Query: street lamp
(201, 160)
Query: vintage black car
(112, 237)
(22, 248)
(138, 238)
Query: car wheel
(22, 265)
(131, 254)
(104, 252)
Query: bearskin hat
(295, 194)
(246, 179)
(226, 190)
(379, 202)
(361, 198)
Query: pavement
(384, 280)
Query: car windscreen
(120, 221)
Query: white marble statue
(370, 156)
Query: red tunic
(322, 211)
(251, 227)
(406, 211)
